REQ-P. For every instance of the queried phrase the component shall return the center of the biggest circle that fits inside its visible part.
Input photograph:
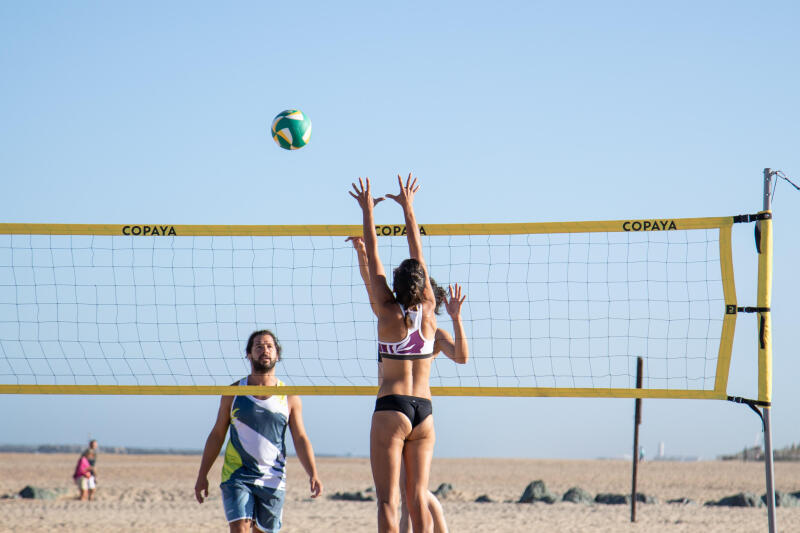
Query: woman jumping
(454, 348)
(402, 424)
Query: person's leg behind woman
(434, 506)
(417, 456)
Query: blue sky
(508, 112)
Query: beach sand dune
(155, 493)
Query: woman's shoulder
(392, 311)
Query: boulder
(783, 499)
(484, 498)
(577, 495)
(622, 499)
(613, 499)
(443, 490)
(39, 493)
(743, 499)
(536, 491)
(644, 498)
(681, 501)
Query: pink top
(82, 468)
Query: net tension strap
(752, 404)
(751, 218)
(754, 218)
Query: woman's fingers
(412, 185)
(456, 294)
(361, 191)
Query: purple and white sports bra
(414, 346)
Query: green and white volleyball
(291, 129)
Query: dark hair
(258, 333)
(439, 294)
(409, 283)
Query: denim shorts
(260, 504)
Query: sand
(155, 493)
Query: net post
(637, 420)
(765, 343)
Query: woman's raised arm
(378, 288)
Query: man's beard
(263, 368)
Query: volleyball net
(552, 309)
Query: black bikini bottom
(415, 409)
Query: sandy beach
(155, 493)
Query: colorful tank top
(256, 451)
(414, 346)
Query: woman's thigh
(417, 455)
(387, 436)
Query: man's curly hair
(249, 349)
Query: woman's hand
(453, 305)
(358, 244)
(364, 196)
(406, 196)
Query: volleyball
(291, 129)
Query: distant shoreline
(78, 448)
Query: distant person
(84, 475)
(456, 349)
(254, 470)
(92, 461)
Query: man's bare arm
(213, 446)
(302, 445)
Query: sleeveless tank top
(256, 451)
